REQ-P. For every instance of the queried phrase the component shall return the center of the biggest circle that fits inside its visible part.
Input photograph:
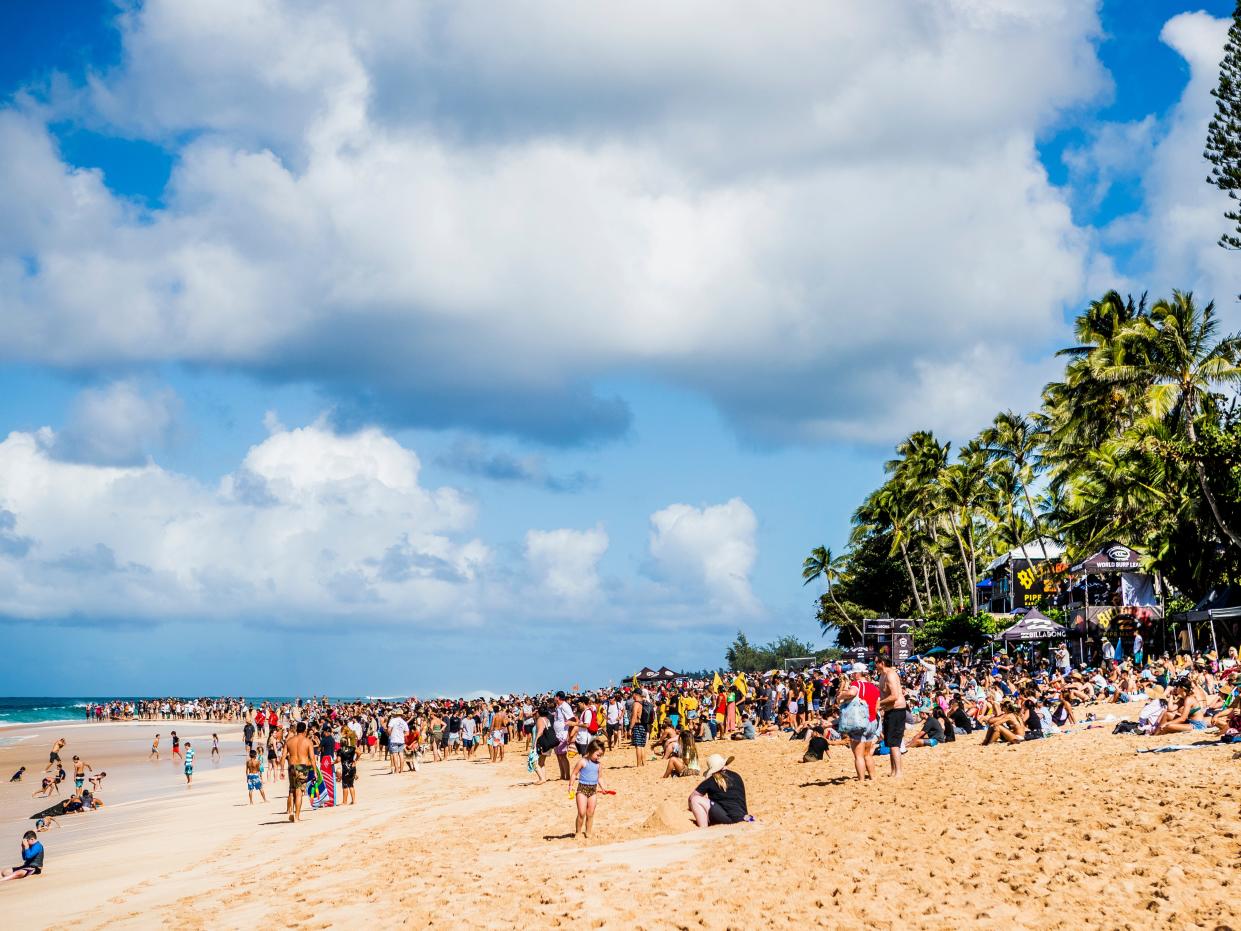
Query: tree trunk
(1038, 532)
(843, 613)
(973, 565)
(965, 564)
(913, 582)
(942, 579)
(926, 579)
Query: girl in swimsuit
(587, 780)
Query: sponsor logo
(1120, 554)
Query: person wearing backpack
(544, 741)
(643, 717)
(859, 720)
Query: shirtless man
(154, 755)
(499, 728)
(299, 753)
(80, 766)
(892, 704)
(54, 757)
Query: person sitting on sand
(720, 797)
(45, 823)
(1006, 726)
(684, 763)
(817, 747)
(32, 859)
(1188, 715)
(932, 732)
(17, 776)
(669, 742)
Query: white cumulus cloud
(564, 564)
(708, 551)
(445, 215)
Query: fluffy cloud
(445, 215)
(709, 551)
(312, 525)
(565, 563)
(315, 527)
(118, 424)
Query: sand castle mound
(668, 818)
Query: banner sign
(1035, 581)
(902, 647)
(1111, 618)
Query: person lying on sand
(48, 785)
(45, 823)
(32, 859)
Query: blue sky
(394, 350)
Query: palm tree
(885, 509)
(821, 562)
(1013, 437)
(1186, 365)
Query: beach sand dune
(1070, 832)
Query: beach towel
(321, 786)
(1172, 748)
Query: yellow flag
(635, 680)
(740, 686)
(716, 683)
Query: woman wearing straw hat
(720, 797)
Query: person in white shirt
(397, 729)
(929, 669)
(562, 722)
(613, 721)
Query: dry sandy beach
(1074, 831)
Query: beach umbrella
(933, 650)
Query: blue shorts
(1198, 725)
(254, 782)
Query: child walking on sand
(189, 763)
(587, 781)
(254, 777)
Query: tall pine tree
(1223, 149)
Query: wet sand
(1074, 831)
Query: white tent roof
(1030, 550)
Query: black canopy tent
(1221, 604)
(663, 674)
(1135, 589)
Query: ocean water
(37, 710)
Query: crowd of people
(314, 746)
